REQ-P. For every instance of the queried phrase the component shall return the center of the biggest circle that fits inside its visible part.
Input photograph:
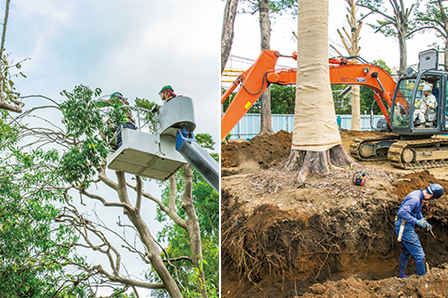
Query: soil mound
(261, 152)
(432, 285)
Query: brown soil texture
(326, 237)
(261, 152)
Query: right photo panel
(334, 148)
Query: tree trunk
(265, 99)
(316, 144)
(356, 108)
(152, 249)
(445, 56)
(227, 31)
(193, 229)
(403, 51)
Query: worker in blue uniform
(410, 214)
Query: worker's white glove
(424, 224)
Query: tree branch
(172, 195)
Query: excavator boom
(257, 78)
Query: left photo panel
(109, 148)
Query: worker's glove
(424, 224)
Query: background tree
(207, 207)
(228, 31)
(397, 24)
(83, 143)
(434, 19)
(351, 44)
(264, 7)
(316, 143)
(33, 250)
(265, 35)
(282, 99)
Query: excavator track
(419, 154)
(372, 148)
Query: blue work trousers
(119, 128)
(410, 245)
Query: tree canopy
(66, 164)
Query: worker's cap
(116, 94)
(426, 88)
(166, 87)
(435, 189)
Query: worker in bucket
(167, 93)
(410, 214)
(426, 104)
(117, 100)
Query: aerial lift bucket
(154, 155)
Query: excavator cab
(406, 119)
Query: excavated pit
(327, 237)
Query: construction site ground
(326, 237)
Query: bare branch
(173, 192)
(104, 202)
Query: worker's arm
(406, 209)
(432, 103)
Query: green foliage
(84, 121)
(80, 113)
(275, 6)
(80, 162)
(283, 99)
(33, 249)
(381, 63)
(148, 117)
(205, 140)
(432, 20)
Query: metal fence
(249, 125)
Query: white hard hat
(426, 88)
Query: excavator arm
(257, 78)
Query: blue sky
(132, 46)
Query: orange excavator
(414, 144)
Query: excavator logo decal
(247, 105)
(347, 79)
(360, 79)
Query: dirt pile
(261, 152)
(280, 237)
(432, 285)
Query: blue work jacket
(411, 208)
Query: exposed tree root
(320, 162)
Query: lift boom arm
(197, 156)
(254, 81)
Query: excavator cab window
(400, 114)
(410, 105)
(426, 107)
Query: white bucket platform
(154, 155)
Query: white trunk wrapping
(315, 127)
